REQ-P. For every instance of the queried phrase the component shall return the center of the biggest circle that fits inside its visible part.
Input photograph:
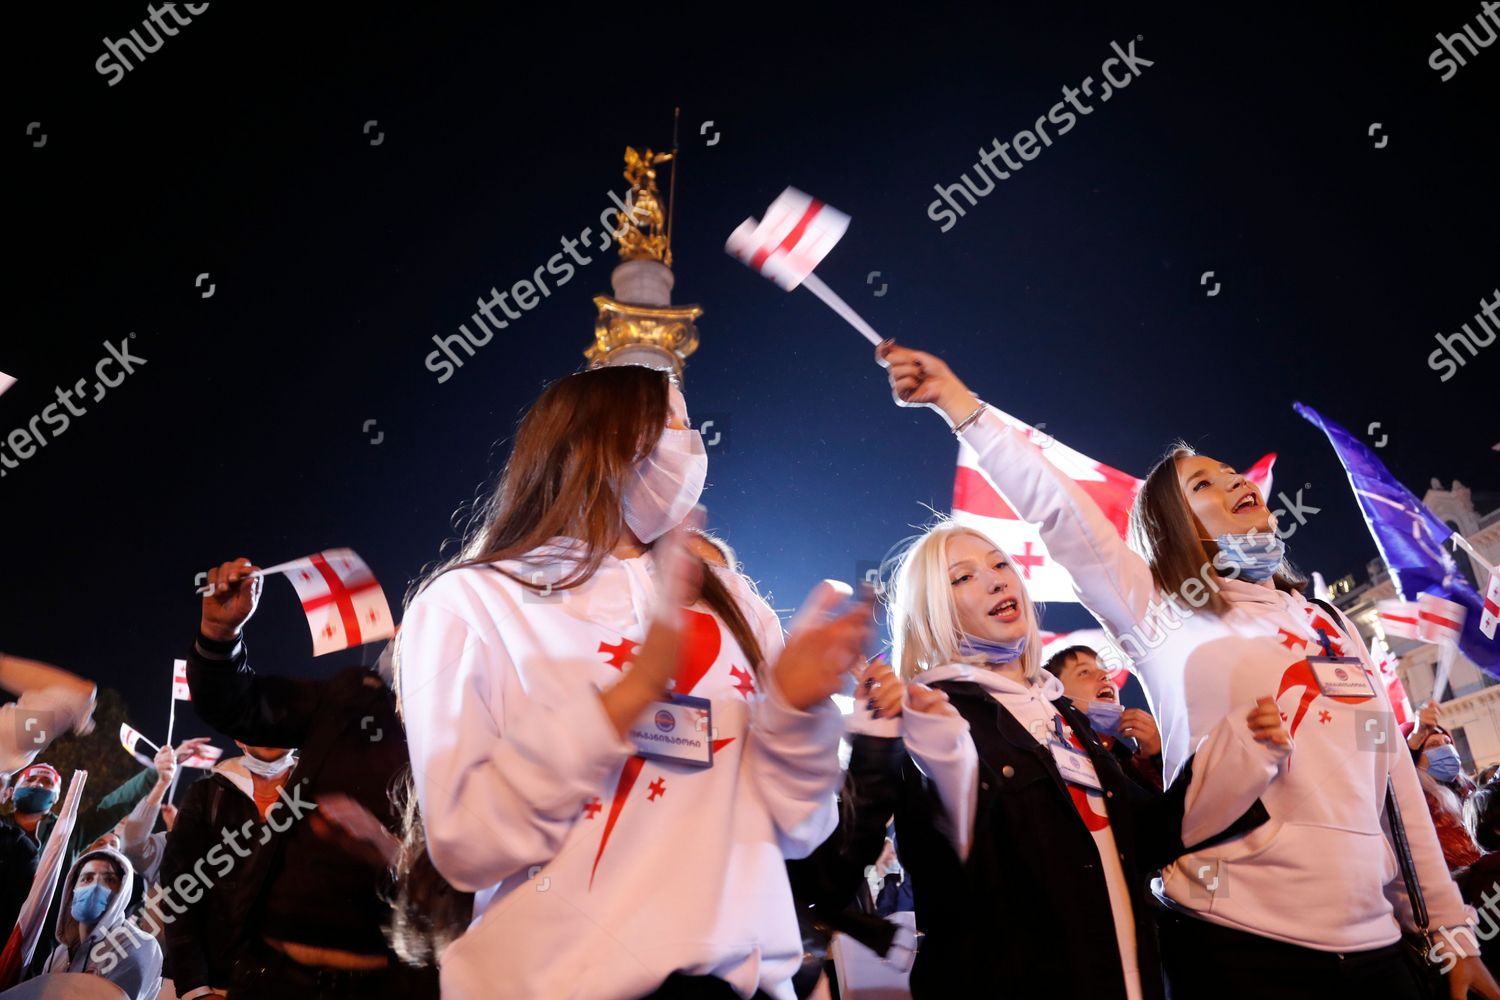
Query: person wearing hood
(1004, 798)
(1205, 605)
(93, 933)
(217, 822)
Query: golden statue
(643, 231)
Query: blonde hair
(924, 620)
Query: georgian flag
(1439, 620)
(1491, 613)
(131, 739)
(977, 503)
(1390, 673)
(793, 238)
(1398, 618)
(180, 689)
(342, 600)
(205, 757)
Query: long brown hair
(1168, 535)
(565, 475)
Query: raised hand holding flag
(340, 596)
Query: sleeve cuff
(776, 716)
(985, 432)
(214, 649)
(932, 735)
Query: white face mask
(270, 768)
(665, 485)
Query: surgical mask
(665, 485)
(270, 768)
(35, 800)
(1256, 555)
(90, 903)
(994, 653)
(1104, 716)
(1443, 763)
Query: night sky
(1071, 295)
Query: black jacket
(1028, 913)
(200, 943)
(307, 886)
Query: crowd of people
(595, 765)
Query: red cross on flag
(1390, 672)
(1398, 618)
(180, 689)
(342, 600)
(977, 503)
(205, 757)
(793, 238)
(1491, 613)
(1439, 620)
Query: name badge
(1075, 766)
(1341, 676)
(678, 729)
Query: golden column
(639, 325)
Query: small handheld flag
(1491, 615)
(205, 757)
(1439, 620)
(130, 739)
(342, 600)
(180, 689)
(1398, 618)
(794, 237)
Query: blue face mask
(35, 800)
(1443, 763)
(1256, 555)
(994, 653)
(1104, 716)
(89, 904)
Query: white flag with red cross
(131, 739)
(979, 504)
(1491, 613)
(180, 689)
(342, 600)
(205, 757)
(1389, 666)
(791, 240)
(1439, 620)
(1398, 618)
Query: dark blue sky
(1070, 295)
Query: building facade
(1471, 703)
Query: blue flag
(1409, 536)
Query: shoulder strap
(1403, 857)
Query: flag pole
(838, 305)
(1445, 667)
(172, 709)
(207, 589)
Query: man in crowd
(312, 900)
(232, 800)
(1128, 733)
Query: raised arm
(259, 710)
(1112, 581)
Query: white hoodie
(117, 949)
(1321, 873)
(598, 873)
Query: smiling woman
(1311, 889)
